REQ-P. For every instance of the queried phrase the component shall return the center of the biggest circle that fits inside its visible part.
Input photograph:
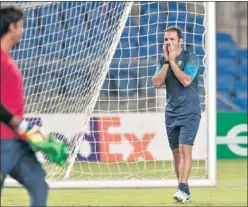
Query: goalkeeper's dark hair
(177, 30)
(9, 14)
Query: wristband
(6, 116)
(166, 62)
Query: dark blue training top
(182, 100)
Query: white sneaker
(182, 197)
(188, 199)
(175, 196)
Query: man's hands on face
(166, 51)
(172, 53)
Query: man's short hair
(177, 30)
(9, 14)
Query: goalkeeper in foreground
(20, 139)
(178, 70)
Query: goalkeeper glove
(56, 150)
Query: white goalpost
(87, 69)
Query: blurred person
(17, 136)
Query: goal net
(87, 69)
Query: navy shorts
(182, 129)
(19, 161)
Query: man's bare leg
(176, 156)
(185, 167)
(185, 163)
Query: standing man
(178, 70)
(17, 157)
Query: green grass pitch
(231, 190)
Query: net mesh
(63, 55)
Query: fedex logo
(104, 140)
(109, 142)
